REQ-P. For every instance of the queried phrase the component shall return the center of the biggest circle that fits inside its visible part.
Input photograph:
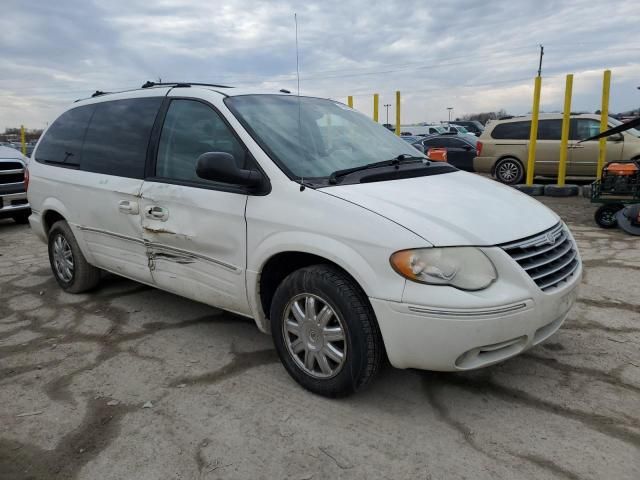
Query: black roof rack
(181, 84)
(97, 93)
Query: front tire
(509, 171)
(325, 331)
(70, 269)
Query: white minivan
(335, 235)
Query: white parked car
(336, 236)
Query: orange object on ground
(621, 169)
(437, 154)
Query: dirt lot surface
(129, 382)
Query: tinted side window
(63, 141)
(512, 131)
(118, 136)
(550, 129)
(190, 129)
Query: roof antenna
(295, 19)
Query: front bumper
(13, 200)
(467, 330)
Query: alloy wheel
(508, 171)
(315, 336)
(63, 258)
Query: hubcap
(62, 258)
(508, 171)
(314, 335)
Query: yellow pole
(23, 140)
(604, 121)
(533, 135)
(398, 112)
(564, 139)
(376, 99)
(350, 101)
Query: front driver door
(195, 229)
(583, 157)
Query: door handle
(157, 213)
(125, 206)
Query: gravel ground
(132, 382)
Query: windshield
(312, 137)
(615, 122)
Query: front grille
(550, 258)
(11, 172)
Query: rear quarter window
(62, 143)
(118, 136)
(512, 131)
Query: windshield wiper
(400, 159)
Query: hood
(453, 209)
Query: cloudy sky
(467, 54)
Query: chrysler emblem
(551, 239)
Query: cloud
(469, 55)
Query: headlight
(466, 268)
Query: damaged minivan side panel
(196, 245)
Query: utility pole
(387, 105)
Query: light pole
(449, 108)
(387, 105)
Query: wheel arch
(49, 217)
(286, 252)
(282, 264)
(52, 211)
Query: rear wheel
(509, 171)
(325, 331)
(70, 269)
(605, 215)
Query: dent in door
(194, 250)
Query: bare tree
(483, 117)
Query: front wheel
(325, 331)
(509, 171)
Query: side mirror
(616, 137)
(222, 167)
(419, 146)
